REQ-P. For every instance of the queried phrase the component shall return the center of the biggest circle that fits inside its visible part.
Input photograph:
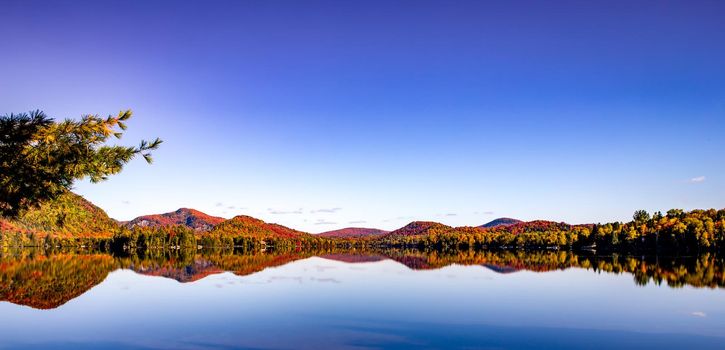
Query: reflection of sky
(323, 303)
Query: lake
(389, 299)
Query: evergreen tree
(41, 158)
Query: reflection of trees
(244, 264)
(519, 259)
(48, 280)
(705, 270)
(180, 265)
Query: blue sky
(321, 115)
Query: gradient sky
(321, 115)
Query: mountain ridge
(253, 227)
(191, 218)
(353, 232)
(69, 215)
(419, 228)
(500, 222)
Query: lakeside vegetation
(677, 231)
(71, 221)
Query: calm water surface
(360, 301)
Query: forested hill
(354, 232)
(248, 226)
(68, 216)
(420, 228)
(500, 222)
(191, 218)
(71, 220)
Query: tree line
(676, 231)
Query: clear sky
(322, 115)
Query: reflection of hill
(194, 271)
(414, 262)
(501, 269)
(247, 264)
(501, 260)
(353, 258)
(190, 268)
(48, 282)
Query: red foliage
(354, 258)
(531, 226)
(500, 222)
(253, 227)
(353, 232)
(417, 228)
(189, 273)
(191, 218)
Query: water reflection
(49, 279)
(397, 299)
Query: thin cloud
(284, 212)
(226, 207)
(451, 214)
(326, 210)
(324, 222)
(357, 222)
(699, 314)
(697, 179)
(126, 202)
(483, 213)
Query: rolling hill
(247, 226)
(191, 218)
(500, 222)
(353, 232)
(69, 215)
(532, 226)
(418, 228)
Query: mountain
(191, 218)
(417, 228)
(532, 226)
(248, 226)
(500, 222)
(353, 232)
(69, 215)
